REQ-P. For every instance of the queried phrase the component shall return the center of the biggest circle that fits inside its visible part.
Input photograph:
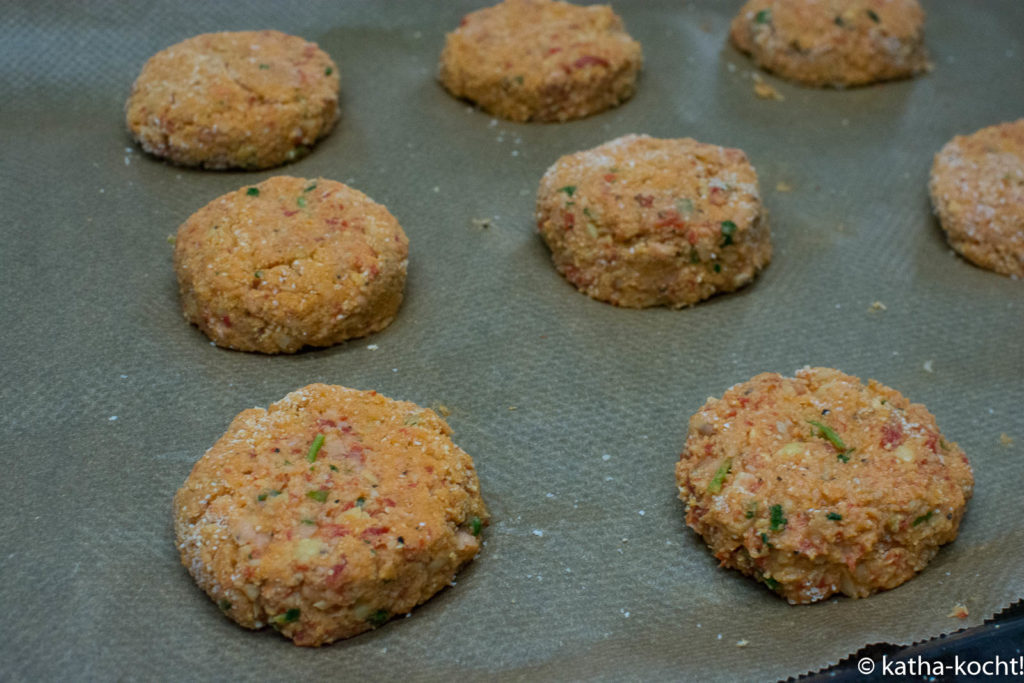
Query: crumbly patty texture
(328, 513)
(820, 484)
(834, 42)
(290, 263)
(541, 60)
(641, 221)
(249, 99)
(977, 189)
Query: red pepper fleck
(587, 60)
(670, 218)
(569, 220)
(226, 320)
(892, 435)
(692, 237)
(933, 442)
(324, 422)
(334, 531)
(717, 196)
(554, 50)
(290, 213)
(334, 575)
(644, 199)
(464, 21)
(609, 177)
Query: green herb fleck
(568, 189)
(834, 516)
(694, 256)
(333, 468)
(764, 539)
(778, 521)
(378, 618)
(717, 267)
(771, 583)
(258, 274)
(839, 21)
(301, 201)
(475, 525)
(224, 605)
(264, 67)
(833, 438)
(307, 520)
(171, 239)
(252, 192)
(262, 497)
(923, 518)
(287, 617)
(271, 493)
(874, 17)
(318, 496)
(728, 229)
(518, 79)
(310, 188)
(943, 444)
(723, 471)
(360, 502)
(752, 509)
(315, 448)
(328, 71)
(763, 17)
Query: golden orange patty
(818, 484)
(249, 99)
(977, 190)
(541, 60)
(641, 221)
(328, 513)
(290, 263)
(834, 42)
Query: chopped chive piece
(923, 518)
(763, 17)
(833, 438)
(253, 192)
(287, 617)
(728, 229)
(943, 444)
(378, 618)
(360, 502)
(333, 468)
(258, 274)
(778, 521)
(723, 471)
(315, 448)
(475, 525)
(271, 493)
(301, 201)
(764, 539)
(328, 71)
(874, 17)
(318, 496)
(307, 520)
(568, 189)
(264, 67)
(839, 21)
(261, 497)
(834, 516)
(717, 267)
(771, 583)
(310, 188)
(224, 605)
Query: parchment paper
(574, 411)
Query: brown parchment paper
(574, 411)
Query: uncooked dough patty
(290, 263)
(641, 221)
(819, 484)
(834, 42)
(539, 60)
(328, 513)
(977, 189)
(250, 99)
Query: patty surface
(248, 99)
(977, 191)
(818, 484)
(641, 221)
(289, 263)
(541, 60)
(834, 42)
(328, 513)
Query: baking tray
(588, 571)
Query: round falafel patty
(290, 263)
(247, 99)
(328, 513)
(818, 484)
(641, 221)
(977, 191)
(541, 60)
(834, 43)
